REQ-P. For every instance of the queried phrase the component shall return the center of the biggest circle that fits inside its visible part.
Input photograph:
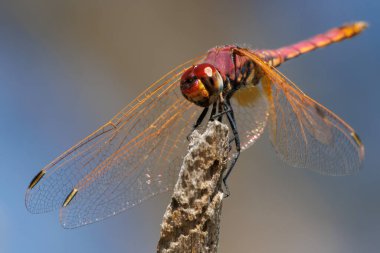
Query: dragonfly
(137, 154)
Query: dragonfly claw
(226, 190)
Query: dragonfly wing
(138, 170)
(251, 113)
(94, 167)
(305, 133)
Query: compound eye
(188, 75)
(204, 70)
(202, 84)
(210, 76)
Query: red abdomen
(278, 56)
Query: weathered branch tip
(191, 221)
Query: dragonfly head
(202, 84)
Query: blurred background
(66, 67)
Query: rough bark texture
(191, 221)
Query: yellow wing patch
(247, 95)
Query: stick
(191, 221)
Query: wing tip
(70, 197)
(359, 143)
(36, 179)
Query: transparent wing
(251, 113)
(132, 157)
(305, 133)
(138, 170)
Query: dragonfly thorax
(202, 84)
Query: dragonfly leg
(230, 143)
(200, 118)
(213, 112)
(231, 119)
(199, 121)
(220, 113)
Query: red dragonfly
(137, 154)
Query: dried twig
(191, 222)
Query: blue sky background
(66, 67)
